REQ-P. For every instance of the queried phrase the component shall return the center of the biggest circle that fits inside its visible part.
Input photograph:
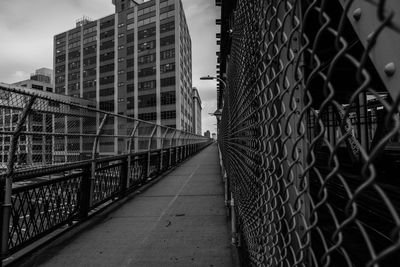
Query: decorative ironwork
(59, 161)
(310, 131)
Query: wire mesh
(310, 134)
(60, 130)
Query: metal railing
(310, 131)
(61, 159)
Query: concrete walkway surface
(179, 221)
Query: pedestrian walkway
(179, 221)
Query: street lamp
(208, 77)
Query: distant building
(214, 136)
(40, 147)
(207, 134)
(41, 80)
(136, 62)
(196, 112)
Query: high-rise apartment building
(136, 62)
(196, 113)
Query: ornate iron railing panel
(309, 134)
(60, 160)
(41, 207)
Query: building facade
(47, 124)
(41, 80)
(196, 112)
(136, 62)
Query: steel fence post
(6, 182)
(170, 148)
(84, 197)
(162, 148)
(93, 163)
(149, 151)
(129, 158)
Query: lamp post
(218, 112)
(208, 77)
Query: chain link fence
(61, 159)
(309, 134)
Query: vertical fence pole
(149, 151)
(93, 166)
(170, 148)
(6, 183)
(162, 148)
(130, 146)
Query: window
(89, 39)
(130, 75)
(146, 46)
(106, 24)
(60, 69)
(74, 65)
(168, 81)
(168, 98)
(37, 87)
(74, 54)
(167, 15)
(171, 114)
(89, 95)
(166, 27)
(167, 54)
(107, 56)
(89, 50)
(130, 102)
(89, 84)
(107, 105)
(146, 59)
(73, 87)
(73, 76)
(60, 90)
(130, 88)
(89, 61)
(130, 38)
(60, 58)
(148, 116)
(146, 10)
(167, 40)
(89, 72)
(147, 101)
(130, 62)
(167, 67)
(74, 35)
(164, 9)
(147, 72)
(164, 3)
(107, 92)
(89, 30)
(146, 21)
(75, 44)
(107, 44)
(147, 33)
(147, 85)
(107, 80)
(130, 26)
(130, 16)
(130, 50)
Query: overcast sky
(27, 28)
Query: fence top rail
(68, 101)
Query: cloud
(28, 28)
